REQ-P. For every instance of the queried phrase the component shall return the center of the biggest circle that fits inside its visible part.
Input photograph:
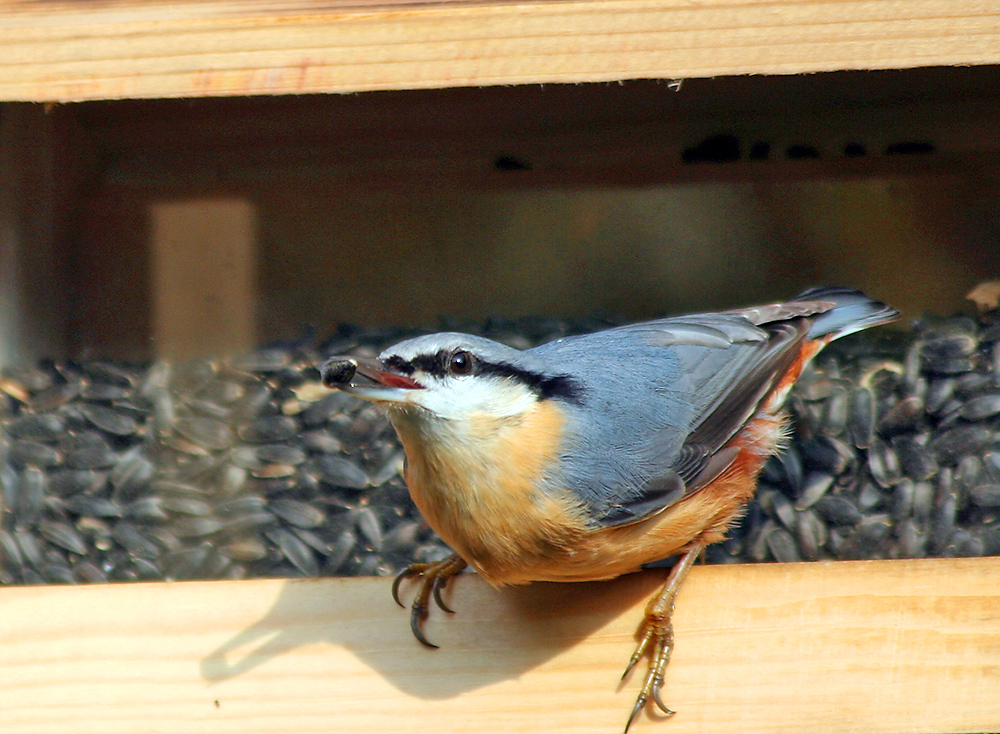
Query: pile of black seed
(247, 467)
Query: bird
(593, 456)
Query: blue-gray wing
(659, 402)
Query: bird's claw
(433, 578)
(658, 636)
(659, 632)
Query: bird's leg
(658, 635)
(433, 577)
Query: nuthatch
(589, 456)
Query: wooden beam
(54, 50)
(204, 276)
(875, 646)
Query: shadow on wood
(494, 635)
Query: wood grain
(55, 50)
(878, 646)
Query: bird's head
(449, 376)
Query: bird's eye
(460, 363)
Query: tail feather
(852, 311)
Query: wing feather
(664, 441)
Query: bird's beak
(369, 379)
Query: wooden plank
(54, 50)
(204, 277)
(568, 136)
(875, 646)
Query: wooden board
(54, 50)
(204, 263)
(883, 646)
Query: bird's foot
(657, 637)
(433, 578)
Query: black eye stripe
(546, 386)
(432, 364)
(400, 365)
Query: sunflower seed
(299, 514)
(883, 464)
(911, 540)
(869, 497)
(392, 467)
(338, 472)
(209, 433)
(92, 506)
(970, 385)
(235, 526)
(991, 541)
(969, 473)
(195, 527)
(325, 409)
(810, 532)
(91, 457)
(132, 473)
(186, 506)
(270, 429)
(814, 486)
(146, 570)
(781, 544)
(64, 536)
(905, 415)
(962, 544)
(923, 500)
(939, 393)
(368, 525)
(340, 551)
(261, 360)
(86, 572)
(297, 552)
(827, 453)
(277, 453)
(981, 408)
(32, 453)
(110, 420)
(57, 573)
(244, 550)
(30, 496)
(943, 523)
(240, 506)
(9, 549)
(45, 427)
(134, 541)
(915, 460)
(146, 509)
(838, 510)
(986, 495)
(222, 392)
(837, 413)
(30, 550)
(868, 539)
(991, 463)
(104, 392)
(862, 417)
(903, 495)
(954, 443)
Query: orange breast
(482, 490)
(486, 486)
